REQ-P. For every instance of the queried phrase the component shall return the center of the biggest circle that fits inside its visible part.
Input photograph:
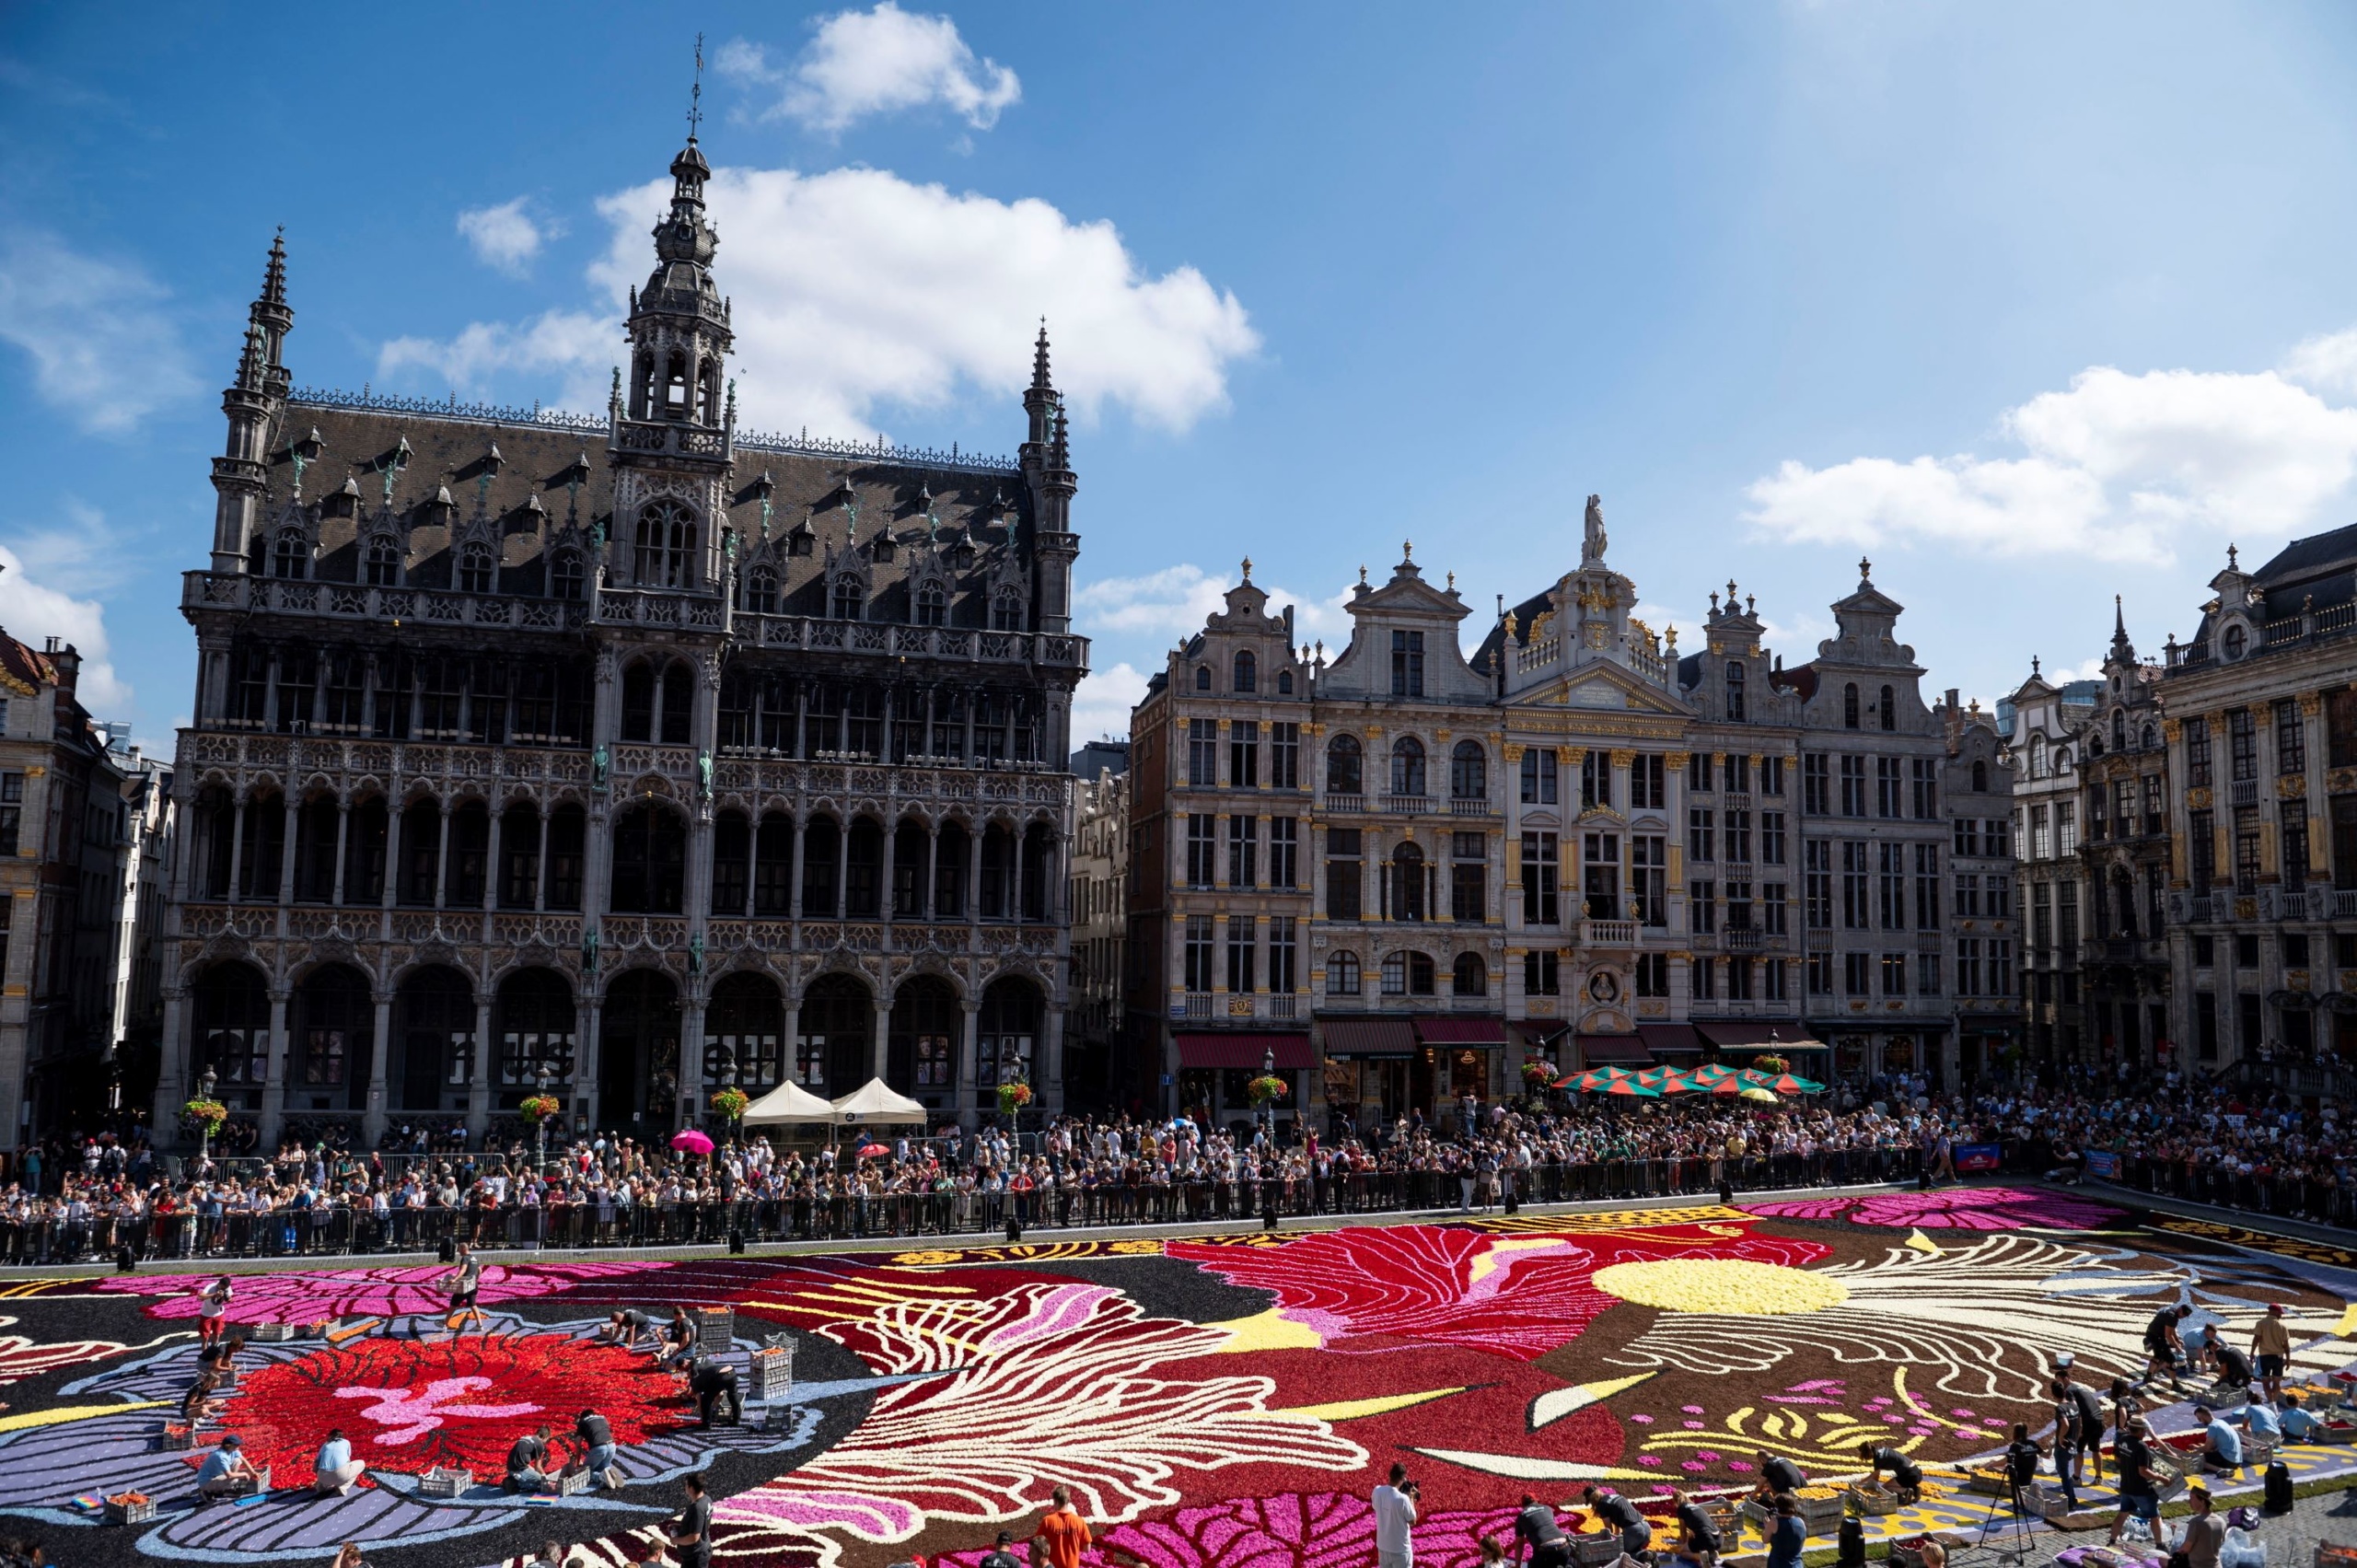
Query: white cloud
(506, 236)
(2326, 364)
(575, 345)
(1174, 602)
(856, 290)
(88, 555)
(2118, 468)
(878, 61)
(32, 613)
(1101, 706)
(105, 351)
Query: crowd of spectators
(103, 1196)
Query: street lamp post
(541, 1123)
(204, 1087)
(1269, 1106)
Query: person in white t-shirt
(1395, 1521)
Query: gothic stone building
(634, 755)
(2263, 729)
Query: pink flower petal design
(1289, 1530)
(1982, 1208)
(307, 1295)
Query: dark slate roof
(2322, 567)
(1485, 656)
(1799, 678)
(447, 453)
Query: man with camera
(1395, 1520)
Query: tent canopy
(872, 1102)
(787, 1102)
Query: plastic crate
(2331, 1554)
(571, 1481)
(1874, 1500)
(441, 1483)
(2336, 1432)
(1595, 1550)
(250, 1486)
(1822, 1515)
(270, 1333)
(771, 1375)
(716, 1328)
(177, 1438)
(137, 1513)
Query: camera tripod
(2010, 1531)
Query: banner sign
(2102, 1162)
(1978, 1158)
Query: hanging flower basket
(731, 1103)
(1014, 1097)
(206, 1113)
(1771, 1063)
(540, 1108)
(1267, 1089)
(1537, 1073)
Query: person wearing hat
(225, 1470)
(2205, 1531)
(2140, 1493)
(2271, 1347)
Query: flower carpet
(1225, 1401)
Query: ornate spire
(1040, 378)
(273, 278)
(1060, 449)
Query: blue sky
(2031, 304)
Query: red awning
(1670, 1040)
(1474, 1030)
(1368, 1037)
(1793, 1036)
(1243, 1049)
(1619, 1051)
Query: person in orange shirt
(1063, 1535)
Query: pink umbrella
(872, 1151)
(691, 1142)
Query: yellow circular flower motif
(1134, 1246)
(1733, 1285)
(923, 1259)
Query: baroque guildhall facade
(619, 759)
(1394, 876)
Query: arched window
(1343, 773)
(1406, 974)
(848, 601)
(1850, 706)
(650, 861)
(565, 578)
(2061, 760)
(1408, 883)
(1006, 611)
(1341, 975)
(293, 558)
(1734, 689)
(675, 386)
(1980, 778)
(1471, 976)
(667, 546)
(2149, 738)
(933, 606)
(760, 591)
(384, 563)
(679, 702)
(1285, 683)
(475, 569)
(642, 386)
(1889, 709)
(1247, 671)
(2119, 730)
(2037, 756)
(1202, 678)
(1407, 766)
(532, 1020)
(1468, 771)
(2235, 641)
(638, 701)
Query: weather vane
(695, 95)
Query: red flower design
(1957, 1208)
(1517, 1296)
(410, 1405)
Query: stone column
(793, 873)
(971, 1016)
(929, 890)
(343, 845)
(274, 1093)
(442, 860)
(889, 895)
(974, 873)
(494, 869)
(1048, 1064)
(392, 888)
(842, 868)
(585, 1059)
(692, 1080)
(478, 1081)
(237, 847)
(372, 1124)
(174, 1067)
(541, 866)
(883, 1037)
(287, 849)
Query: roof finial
(2119, 618)
(2032, 667)
(695, 94)
(1865, 570)
(1247, 568)
(2232, 565)
(1407, 550)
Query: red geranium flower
(410, 1405)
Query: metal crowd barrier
(328, 1230)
